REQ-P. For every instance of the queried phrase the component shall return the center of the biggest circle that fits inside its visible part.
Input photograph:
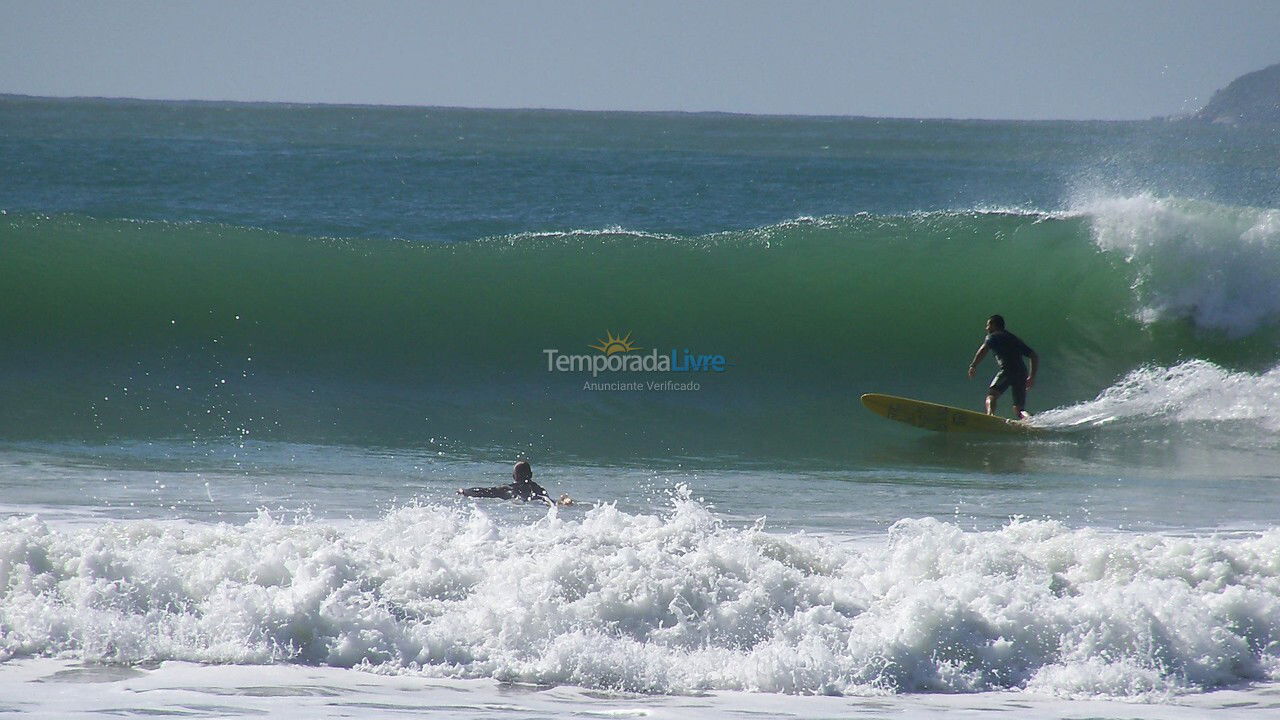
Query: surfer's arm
(1034, 360)
(540, 493)
(977, 358)
(502, 492)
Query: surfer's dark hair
(522, 472)
(997, 320)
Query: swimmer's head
(522, 472)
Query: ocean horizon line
(585, 111)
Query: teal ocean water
(248, 351)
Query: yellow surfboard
(941, 418)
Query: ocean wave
(149, 329)
(1217, 266)
(674, 602)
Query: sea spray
(1195, 392)
(1215, 265)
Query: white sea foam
(1216, 265)
(58, 689)
(668, 603)
(1190, 392)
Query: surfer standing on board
(1009, 350)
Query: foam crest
(1190, 392)
(666, 603)
(1216, 265)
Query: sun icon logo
(610, 345)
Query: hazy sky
(950, 58)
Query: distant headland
(1252, 99)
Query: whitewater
(674, 603)
(248, 353)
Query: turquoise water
(247, 352)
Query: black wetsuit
(526, 491)
(1009, 351)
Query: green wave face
(135, 330)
